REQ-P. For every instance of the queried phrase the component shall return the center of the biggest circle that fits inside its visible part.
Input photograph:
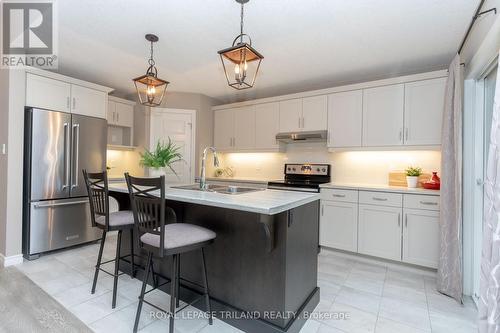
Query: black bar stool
(157, 237)
(97, 188)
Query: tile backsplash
(370, 167)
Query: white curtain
(449, 279)
(489, 302)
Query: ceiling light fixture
(150, 88)
(245, 59)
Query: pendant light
(241, 61)
(150, 88)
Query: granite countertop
(266, 201)
(380, 188)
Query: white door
(224, 129)
(421, 237)
(380, 231)
(314, 113)
(345, 118)
(339, 225)
(383, 116)
(45, 93)
(244, 128)
(88, 102)
(179, 126)
(291, 115)
(267, 123)
(424, 105)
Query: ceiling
(307, 44)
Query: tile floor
(376, 298)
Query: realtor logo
(28, 32)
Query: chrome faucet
(203, 182)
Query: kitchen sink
(230, 189)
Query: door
(383, 116)
(421, 237)
(244, 128)
(339, 225)
(380, 231)
(314, 113)
(267, 122)
(179, 126)
(345, 117)
(424, 105)
(291, 115)
(88, 150)
(45, 93)
(50, 154)
(224, 129)
(88, 102)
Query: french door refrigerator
(57, 147)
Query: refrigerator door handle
(76, 135)
(66, 157)
(61, 204)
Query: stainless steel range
(305, 177)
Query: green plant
(413, 171)
(162, 157)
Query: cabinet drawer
(381, 198)
(430, 202)
(332, 194)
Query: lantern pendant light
(150, 88)
(241, 61)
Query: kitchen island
(262, 267)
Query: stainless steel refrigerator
(58, 146)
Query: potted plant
(162, 157)
(412, 174)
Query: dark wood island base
(262, 269)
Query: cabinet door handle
(74, 103)
(339, 195)
(406, 134)
(322, 210)
(400, 135)
(303, 122)
(234, 142)
(379, 199)
(68, 102)
(406, 220)
(118, 117)
(399, 219)
(429, 203)
(299, 122)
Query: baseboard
(11, 260)
(379, 261)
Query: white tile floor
(375, 298)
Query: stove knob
(324, 169)
(317, 169)
(289, 169)
(293, 169)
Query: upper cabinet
(267, 119)
(383, 116)
(65, 94)
(244, 128)
(303, 114)
(120, 112)
(345, 117)
(424, 104)
(224, 129)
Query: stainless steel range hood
(313, 136)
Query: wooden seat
(160, 234)
(97, 189)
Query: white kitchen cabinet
(290, 115)
(224, 129)
(244, 128)
(314, 113)
(345, 118)
(267, 122)
(46, 93)
(120, 114)
(339, 225)
(421, 237)
(424, 104)
(383, 109)
(88, 102)
(380, 231)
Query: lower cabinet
(339, 225)
(421, 237)
(380, 231)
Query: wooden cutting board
(398, 178)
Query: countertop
(242, 180)
(380, 188)
(266, 201)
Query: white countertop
(380, 188)
(242, 180)
(267, 202)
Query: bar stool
(172, 239)
(97, 189)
